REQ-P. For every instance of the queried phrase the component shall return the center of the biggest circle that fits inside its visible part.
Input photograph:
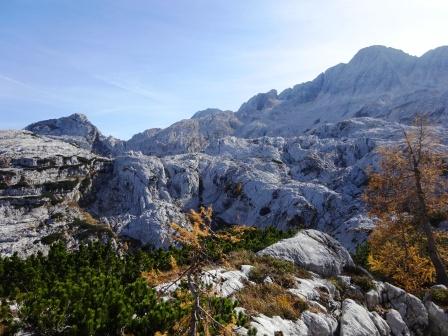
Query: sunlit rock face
(311, 181)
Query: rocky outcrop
(411, 308)
(75, 129)
(308, 173)
(319, 324)
(311, 181)
(312, 250)
(40, 181)
(272, 326)
(335, 310)
(308, 181)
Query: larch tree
(408, 191)
(201, 319)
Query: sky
(130, 65)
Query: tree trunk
(422, 211)
(442, 277)
(194, 322)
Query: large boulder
(319, 324)
(358, 321)
(411, 308)
(313, 250)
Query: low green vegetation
(364, 282)
(96, 291)
(439, 296)
(360, 257)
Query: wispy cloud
(133, 88)
(16, 82)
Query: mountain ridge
(378, 82)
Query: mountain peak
(76, 129)
(74, 124)
(380, 52)
(79, 117)
(441, 51)
(207, 112)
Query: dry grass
(282, 272)
(88, 218)
(271, 300)
(156, 277)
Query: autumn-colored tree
(199, 297)
(404, 195)
(396, 251)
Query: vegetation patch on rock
(271, 300)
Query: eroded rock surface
(41, 179)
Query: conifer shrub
(439, 296)
(364, 282)
(360, 257)
(96, 291)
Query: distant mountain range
(379, 82)
(294, 159)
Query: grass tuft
(271, 300)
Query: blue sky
(130, 65)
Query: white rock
(438, 319)
(358, 321)
(396, 323)
(312, 250)
(246, 269)
(319, 324)
(372, 299)
(411, 308)
(270, 325)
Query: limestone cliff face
(40, 181)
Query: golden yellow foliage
(200, 228)
(156, 277)
(398, 255)
(407, 193)
(198, 295)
